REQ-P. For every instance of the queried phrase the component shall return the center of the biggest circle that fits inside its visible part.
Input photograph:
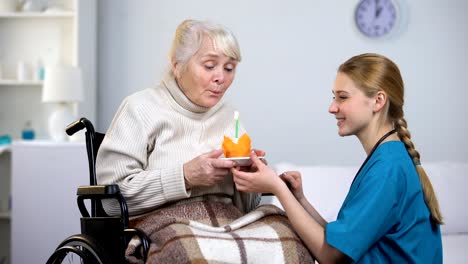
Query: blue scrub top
(384, 218)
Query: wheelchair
(103, 238)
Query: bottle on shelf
(28, 131)
(5, 140)
(38, 70)
(22, 71)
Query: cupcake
(241, 148)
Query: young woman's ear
(380, 101)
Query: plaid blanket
(212, 230)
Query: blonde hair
(189, 36)
(371, 73)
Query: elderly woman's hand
(206, 169)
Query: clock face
(376, 18)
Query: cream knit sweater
(153, 133)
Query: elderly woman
(163, 150)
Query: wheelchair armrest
(104, 190)
(99, 192)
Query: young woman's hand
(294, 181)
(206, 169)
(263, 180)
(253, 166)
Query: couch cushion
(326, 188)
(450, 182)
(455, 248)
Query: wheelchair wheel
(79, 249)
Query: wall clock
(376, 18)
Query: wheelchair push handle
(78, 125)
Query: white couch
(327, 186)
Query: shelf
(54, 14)
(19, 83)
(47, 143)
(65, 33)
(5, 215)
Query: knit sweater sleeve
(123, 159)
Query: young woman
(391, 214)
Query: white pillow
(450, 182)
(324, 186)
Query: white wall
(291, 50)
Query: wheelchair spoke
(79, 249)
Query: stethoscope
(372, 152)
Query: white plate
(242, 161)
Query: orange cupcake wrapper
(233, 150)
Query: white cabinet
(32, 40)
(45, 177)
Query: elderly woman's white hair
(189, 37)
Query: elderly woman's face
(208, 75)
